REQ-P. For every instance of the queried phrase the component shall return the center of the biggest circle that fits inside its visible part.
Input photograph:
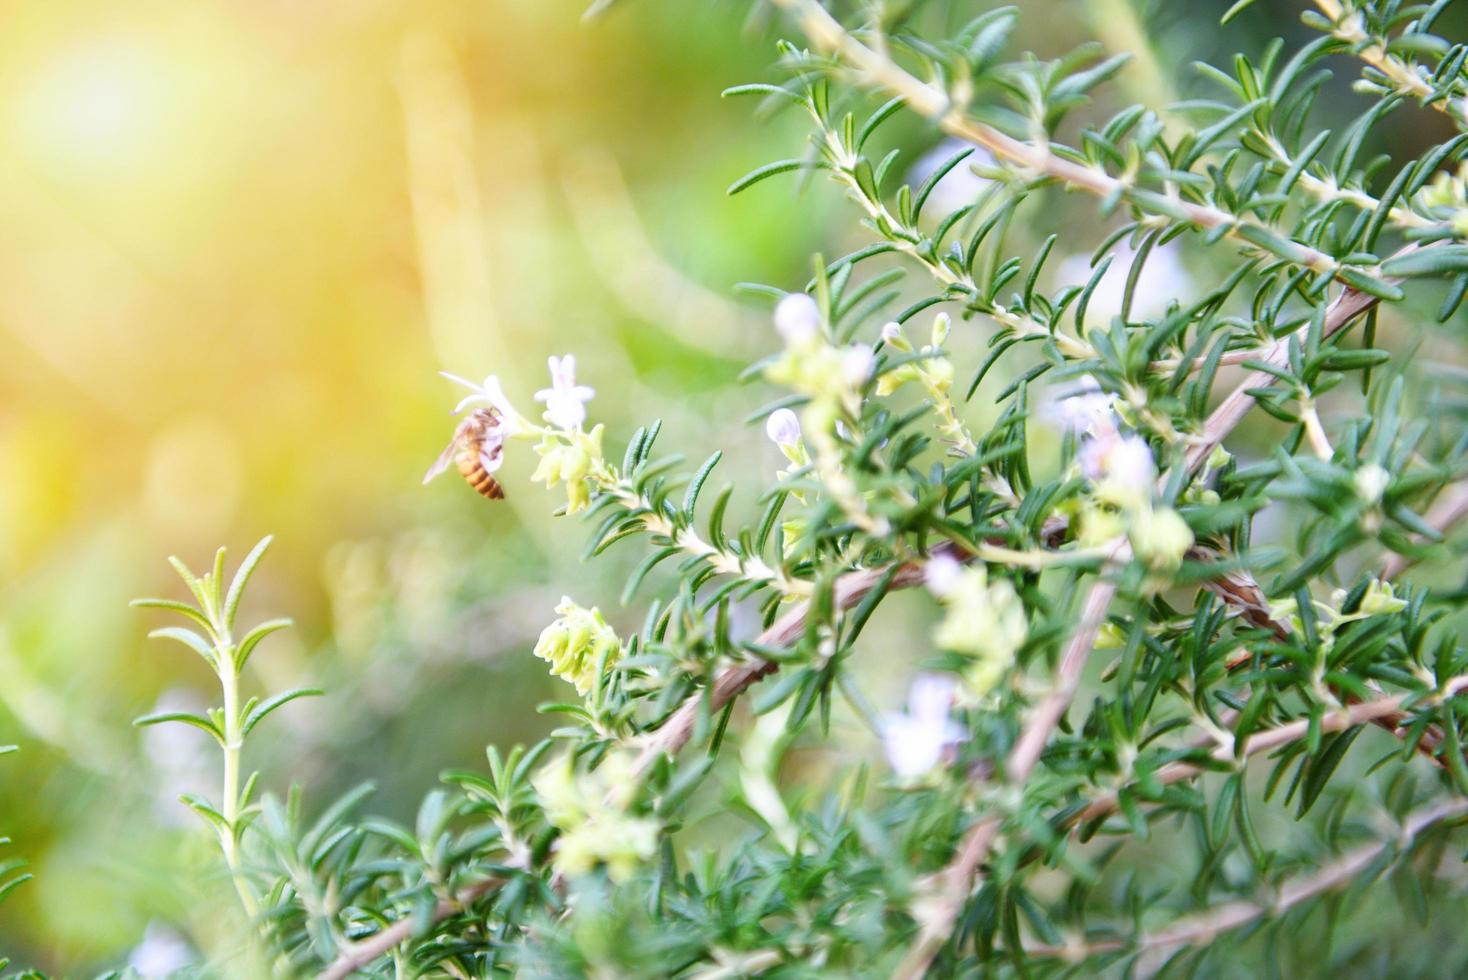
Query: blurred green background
(240, 239)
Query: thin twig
(362, 953)
(955, 880)
(1405, 78)
(1204, 926)
(827, 34)
(1231, 411)
(1449, 508)
(851, 588)
(1387, 709)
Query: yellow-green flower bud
(572, 458)
(893, 337)
(938, 375)
(590, 812)
(1380, 599)
(983, 619)
(1459, 223)
(891, 380)
(791, 533)
(576, 643)
(1100, 521)
(1160, 537)
(1371, 482)
(1110, 637)
(941, 325)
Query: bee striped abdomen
(474, 474)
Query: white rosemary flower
(798, 319)
(565, 400)
(915, 740)
(489, 393)
(1371, 482)
(162, 953)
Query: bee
(477, 449)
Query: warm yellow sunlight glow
(103, 104)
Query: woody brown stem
(363, 953)
(1204, 926)
(1376, 711)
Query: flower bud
(856, 364)
(783, 427)
(1371, 482)
(798, 319)
(590, 811)
(1380, 599)
(985, 620)
(1161, 537)
(576, 643)
(938, 374)
(941, 325)
(941, 574)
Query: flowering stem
(905, 238)
(957, 878)
(751, 568)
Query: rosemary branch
(1204, 926)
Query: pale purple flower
(798, 319)
(490, 393)
(182, 758)
(856, 364)
(783, 427)
(162, 953)
(1163, 279)
(891, 330)
(957, 188)
(565, 400)
(941, 574)
(915, 740)
(1082, 408)
(1124, 460)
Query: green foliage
(11, 874)
(1142, 644)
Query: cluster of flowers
(984, 619)
(1123, 475)
(568, 454)
(591, 812)
(579, 645)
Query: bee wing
(444, 459)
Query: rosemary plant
(1183, 709)
(11, 874)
